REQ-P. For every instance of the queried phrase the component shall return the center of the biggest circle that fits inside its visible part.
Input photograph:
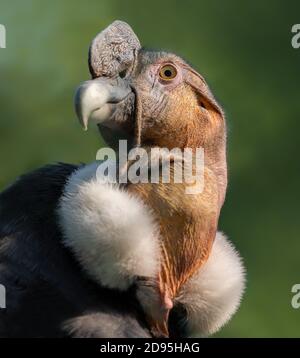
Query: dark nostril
(123, 73)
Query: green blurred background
(244, 51)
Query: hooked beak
(94, 99)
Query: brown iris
(167, 72)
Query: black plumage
(48, 294)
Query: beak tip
(83, 122)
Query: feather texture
(111, 232)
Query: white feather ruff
(214, 293)
(112, 233)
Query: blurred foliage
(244, 50)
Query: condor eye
(167, 72)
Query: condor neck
(215, 159)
